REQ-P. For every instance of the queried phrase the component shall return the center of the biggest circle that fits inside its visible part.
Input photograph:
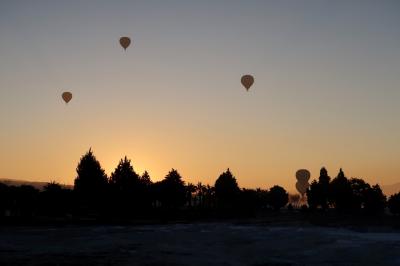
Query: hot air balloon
(302, 176)
(302, 187)
(247, 81)
(125, 42)
(67, 96)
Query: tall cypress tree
(124, 178)
(91, 179)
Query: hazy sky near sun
(326, 91)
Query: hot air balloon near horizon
(125, 42)
(67, 96)
(302, 176)
(247, 81)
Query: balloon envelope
(247, 81)
(67, 96)
(125, 42)
(302, 187)
(303, 175)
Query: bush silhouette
(21, 201)
(318, 192)
(226, 189)
(374, 200)
(205, 196)
(146, 194)
(55, 200)
(369, 199)
(340, 192)
(323, 181)
(5, 201)
(314, 195)
(394, 204)
(25, 200)
(252, 200)
(277, 197)
(190, 194)
(145, 179)
(171, 190)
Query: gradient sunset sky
(326, 91)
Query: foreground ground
(197, 244)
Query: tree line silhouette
(351, 195)
(126, 194)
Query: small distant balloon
(247, 81)
(67, 96)
(125, 42)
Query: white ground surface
(196, 244)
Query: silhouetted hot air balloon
(125, 42)
(247, 81)
(67, 96)
(302, 187)
(302, 176)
